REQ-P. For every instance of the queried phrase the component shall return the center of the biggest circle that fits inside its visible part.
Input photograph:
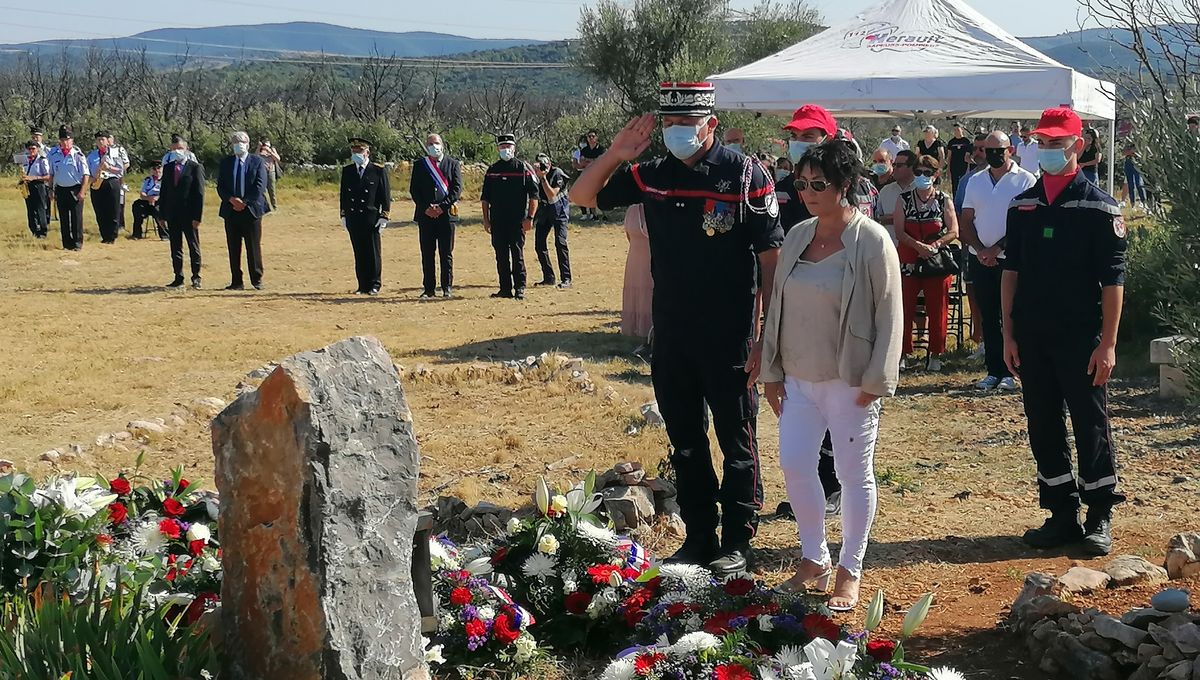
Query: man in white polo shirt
(895, 143)
(984, 222)
(1027, 153)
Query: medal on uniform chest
(717, 218)
(710, 231)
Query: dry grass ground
(91, 341)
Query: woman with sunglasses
(925, 222)
(831, 351)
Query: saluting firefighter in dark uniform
(713, 220)
(35, 177)
(1061, 292)
(509, 201)
(365, 203)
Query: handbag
(945, 262)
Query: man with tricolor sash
(435, 188)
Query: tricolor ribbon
(439, 180)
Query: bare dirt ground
(92, 341)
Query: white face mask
(434, 150)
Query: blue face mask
(1053, 161)
(880, 169)
(507, 153)
(780, 173)
(683, 141)
(735, 146)
(239, 149)
(176, 155)
(796, 149)
(923, 182)
(434, 150)
(358, 158)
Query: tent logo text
(881, 36)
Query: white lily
(479, 567)
(580, 503)
(830, 662)
(874, 612)
(803, 671)
(541, 496)
(916, 616)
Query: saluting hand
(1101, 365)
(633, 140)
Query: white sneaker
(934, 365)
(979, 353)
(1008, 384)
(987, 384)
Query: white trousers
(808, 411)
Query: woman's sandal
(820, 583)
(849, 606)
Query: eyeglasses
(817, 185)
(925, 172)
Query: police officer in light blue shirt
(105, 162)
(71, 174)
(35, 173)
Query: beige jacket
(872, 322)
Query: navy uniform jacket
(703, 239)
(253, 185)
(424, 191)
(1065, 253)
(367, 196)
(508, 187)
(182, 200)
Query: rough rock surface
(1183, 555)
(1083, 580)
(1128, 570)
(317, 471)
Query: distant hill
(1095, 51)
(272, 40)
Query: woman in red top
(929, 224)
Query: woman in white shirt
(831, 353)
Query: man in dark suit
(241, 184)
(181, 204)
(365, 203)
(435, 188)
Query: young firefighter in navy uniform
(509, 201)
(1061, 293)
(554, 211)
(713, 220)
(365, 203)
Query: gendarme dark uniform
(365, 200)
(508, 188)
(1065, 252)
(706, 224)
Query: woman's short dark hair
(837, 160)
(929, 162)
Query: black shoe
(1097, 532)
(544, 282)
(564, 285)
(427, 295)
(446, 293)
(235, 286)
(520, 295)
(502, 294)
(177, 283)
(697, 551)
(833, 505)
(257, 286)
(731, 561)
(1062, 528)
(196, 282)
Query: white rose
(486, 613)
(514, 525)
(559, 505)
(210, 563)
(548, 544)
(570, 586)
(764, 623)
(526, 648)
(199, 532)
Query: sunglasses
(817, 185)
(925, 172)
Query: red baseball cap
(812, 116)
(1059, 121)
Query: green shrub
(103, 639)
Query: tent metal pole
(1112, 154)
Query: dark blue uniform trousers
(689, 372)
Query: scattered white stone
(51, 456)
(209, 405)
(652, 415)
(1083, 580)
(146, 427)
(1183, 555)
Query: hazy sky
(537, 19)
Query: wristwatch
(529, 217)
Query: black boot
(732, 560)
(698, 549)
(1097, 530)
(1062, 528)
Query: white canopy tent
(907, 57)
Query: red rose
(502, 630)
(577, 603)
(120, 486)
(173, 508)
(818, 626)
(183, 485)
(499, 556)
(170, 528)
(197, 547)
(460, 597)
(476, 628)
(753, 611)
(718, 624)
(732, 671)
(881, 650)
(117, 513)
(738, 587)
(644, 664)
